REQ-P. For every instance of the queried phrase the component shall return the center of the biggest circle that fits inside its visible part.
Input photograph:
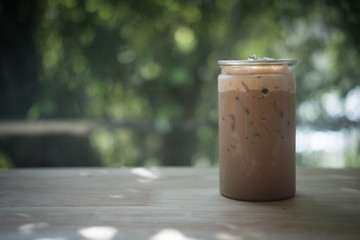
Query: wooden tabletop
(171, 203)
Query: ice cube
(267, 58)
(253, 57)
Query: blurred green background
(133, 83)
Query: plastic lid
(256, 62)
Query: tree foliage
(153, 63)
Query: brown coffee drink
(257, 129)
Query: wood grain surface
(171, 203)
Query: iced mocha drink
(257, 129)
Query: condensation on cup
(257, 126)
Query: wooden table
(171, 203)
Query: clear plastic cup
(257, 127)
